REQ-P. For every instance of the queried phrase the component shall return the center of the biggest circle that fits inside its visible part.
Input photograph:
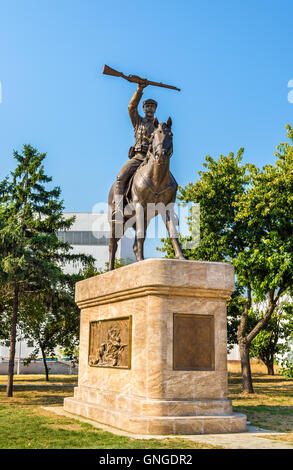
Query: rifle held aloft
(135, 79)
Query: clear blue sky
(232, 59)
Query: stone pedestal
(153, 356)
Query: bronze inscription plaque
(110, 343)
(193, 342)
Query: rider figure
(143, 129)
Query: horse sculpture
(152, 191)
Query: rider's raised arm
(133, 104)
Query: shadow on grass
(259, 378)
(272, 410)
(27, 397)
(46, 400)
(282, 392)
(273, 387)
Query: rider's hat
(149, 101)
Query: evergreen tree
(50, 319)
(32, 256)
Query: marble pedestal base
(153, 356)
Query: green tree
(246, 219)
(91, 270)
(274, 338)
(31, 256)
(5, 302)
(50, 319)
(265, 266)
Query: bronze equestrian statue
(144, 184)
(143, 129)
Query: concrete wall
(37, 367)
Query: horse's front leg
(140, 231)
(113, 245)
(112, 252)
(173, 234)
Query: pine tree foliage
(32, 256)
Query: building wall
(234, 354)
(22, 350)
(37, 367)
(89, 235)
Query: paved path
(252, 439)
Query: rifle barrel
(163, 85)
(135, 79)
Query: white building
(234, 354)
(89, 234)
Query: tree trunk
(247, 386)
(270, 366)
(45, 364)
(13, 341)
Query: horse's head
(161, 143)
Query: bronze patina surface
(135, 78)
(110, 343)
(193, 342)
(144, 186)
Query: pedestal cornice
(157, 277)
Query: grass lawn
(270, 407)
(24, 424)
(36, 379)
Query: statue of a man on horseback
(152, 189)
(143, 129)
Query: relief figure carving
(108, 353)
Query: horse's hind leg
(112, 247)
(112, 251)
(173, 234)
(135, 243)
(139, 232)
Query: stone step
(201, 424)
(151, 407)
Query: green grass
(24, 424)
(270, 407)
(39, 379)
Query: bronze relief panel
(193, 342)
(110, 343)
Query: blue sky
(232, 60)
